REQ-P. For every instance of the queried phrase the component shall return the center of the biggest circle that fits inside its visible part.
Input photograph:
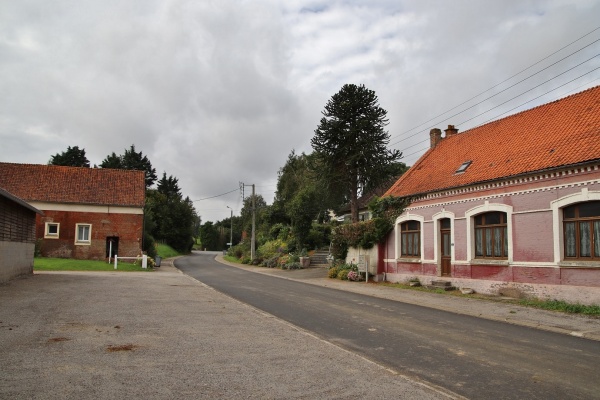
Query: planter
(305, 262)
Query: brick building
(17, 236)
(511, 206)
(86, 211)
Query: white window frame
(557, 223)
(398, 236)
(47, 234)
(484, 208)
(83, 242)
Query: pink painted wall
(532, 233)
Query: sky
(219, 92)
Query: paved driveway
(162, 335)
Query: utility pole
(253, 238)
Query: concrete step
(444, 285)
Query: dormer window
(463, 167)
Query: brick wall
(127, 227)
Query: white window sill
(409, 260)
(487, 261)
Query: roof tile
(76, 185)
(556, 134)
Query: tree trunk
(354, 198)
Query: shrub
(333, 272)
(293, 265)
(272, 248)
(246, 260)
(272, 262)
(343, 274)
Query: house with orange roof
(88, 213)
(512, 206)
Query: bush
(246, 260)
(272, 262)
(343, 274)
(272, 248)
(293, 265)
(149, 245)
(333, 272)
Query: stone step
(444, 285)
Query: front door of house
(445, 246)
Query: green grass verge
(232, 259)
(68, 264)
(166, 251)
(552, 305)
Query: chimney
(450, 131)
(435, 135)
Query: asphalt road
(476, 358)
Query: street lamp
(231, 230)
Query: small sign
(362, 263)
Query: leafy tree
(174, 219)
(209, 236)
(351, 144)
(131, 160)
(73, 157)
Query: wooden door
(445, 246)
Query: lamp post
(231, 230)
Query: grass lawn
(67, 264)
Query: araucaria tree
(351, 142)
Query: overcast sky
(217, 92)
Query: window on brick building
(581, 229)
(491, 235)
(52, 230)
(83, 233)
(410, 237)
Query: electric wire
(498, 84)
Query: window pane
(498, 242)
(505, 234)
(445, 223)
(478, 242)
(569, 212)
(404, 249)
(488, 242)
(446, 245)
(52, 229)
(584, 239)
(492, 218)
(410, 244)
(589, 209)
(479, 220)
(596, 238)
(413, 225)
(83, 233)
(417, 249)
(570, 239)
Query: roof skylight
(463, 167)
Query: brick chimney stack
(435, 135)
(450, 131)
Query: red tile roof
(561, 133)
(75, 185)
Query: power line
(514, 108)
(219, 195)
(485, 91)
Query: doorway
(446, 246)
(112, 246)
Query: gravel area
(163, 335)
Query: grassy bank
(67, 264)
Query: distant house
(17, 236)
(87, 212)
(510, 206)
